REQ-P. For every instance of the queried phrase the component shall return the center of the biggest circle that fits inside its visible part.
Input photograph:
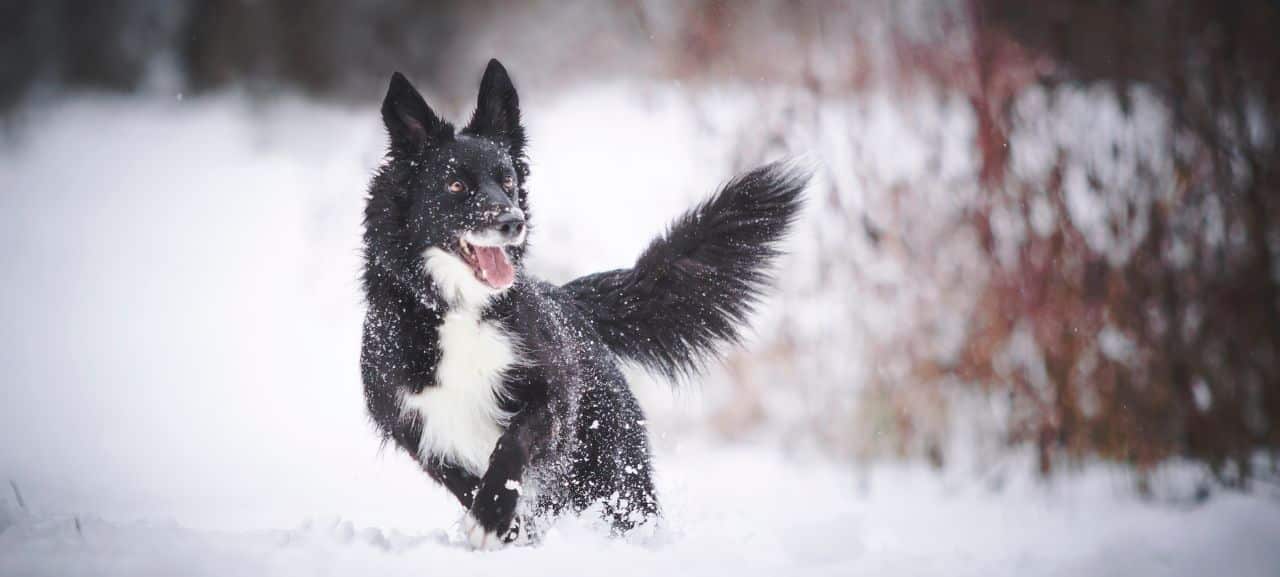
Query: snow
(1108, 149)
(735, 510)
(179, 324)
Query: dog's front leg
(489, 523)
(457, 480)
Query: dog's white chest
(461, 418)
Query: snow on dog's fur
(505, 388)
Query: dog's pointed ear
(498, 109)
(410, 122)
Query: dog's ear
(410, 122)
(498, 109)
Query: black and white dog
(506, 389)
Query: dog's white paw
(479, 538)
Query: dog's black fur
(576, 432)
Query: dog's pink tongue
(494, 266)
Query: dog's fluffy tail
(691, 291)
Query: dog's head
(463, 207)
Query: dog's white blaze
(461, 419)
(455, 279)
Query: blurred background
(1043, 239)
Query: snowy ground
(179, 327)
(732, 511)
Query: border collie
(507, 389)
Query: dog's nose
(510, 224)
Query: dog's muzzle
(485, 249)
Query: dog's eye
(457, 187)
(508, 183)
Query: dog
(507, 389)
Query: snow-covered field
(731, 511)
(179, 328)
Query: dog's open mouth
(489, 263)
